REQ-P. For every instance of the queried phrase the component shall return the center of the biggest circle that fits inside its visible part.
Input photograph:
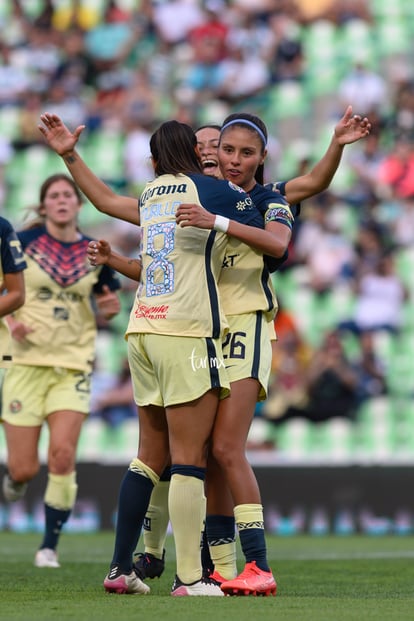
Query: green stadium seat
(288, 99)
(292, 439)
(338, 439)
(383, 9)
(106, 150)
(25, 174)
(321, 43)
(375, 431)
(9, 121)
(356, 36)
(394, 36)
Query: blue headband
(246, 122)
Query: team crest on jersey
(247, 203)
(236, 187)
(15, 406)
(152, 312)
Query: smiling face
(61, 204)
(207, 144)
(240, 152)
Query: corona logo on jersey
(152, 312)
(162, 190)
(203, 362)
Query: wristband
(221, 224)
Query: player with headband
(220, 520)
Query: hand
(351, 127)
(108, 303)
(58, 136)
(98, 252)
(18, 330)
(191, 214)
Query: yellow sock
(224, 557)
(186, 503)
(61, 491)
(248, 516)
(139, 467)
(249, 521)
(157, 519)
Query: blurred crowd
(120, 67)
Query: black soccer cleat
(149, 566)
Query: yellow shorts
(272, 331)
(169, 370)
(247, 349)
(30, 394)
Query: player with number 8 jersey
(174, 258)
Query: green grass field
(355, 578)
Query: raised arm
(63, 142)
(350, 128)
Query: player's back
(178, 294)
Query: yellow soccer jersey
(245, 285)
(59, 287)
(178, 293)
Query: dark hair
(254, 124)
(208, 126)
(39, 218)
(173, 149)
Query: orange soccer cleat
(252, 581)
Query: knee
(62, 459)
(156, 460)
(224, 453)
(21, 471)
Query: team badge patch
(278, 214)
(15, 406)
(233, 186)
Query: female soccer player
(12, 291)
(220, 524)
(53, 339)
(241, 154)
(163, 276)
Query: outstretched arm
(63, 142)
(101, 253)
(349, 129)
